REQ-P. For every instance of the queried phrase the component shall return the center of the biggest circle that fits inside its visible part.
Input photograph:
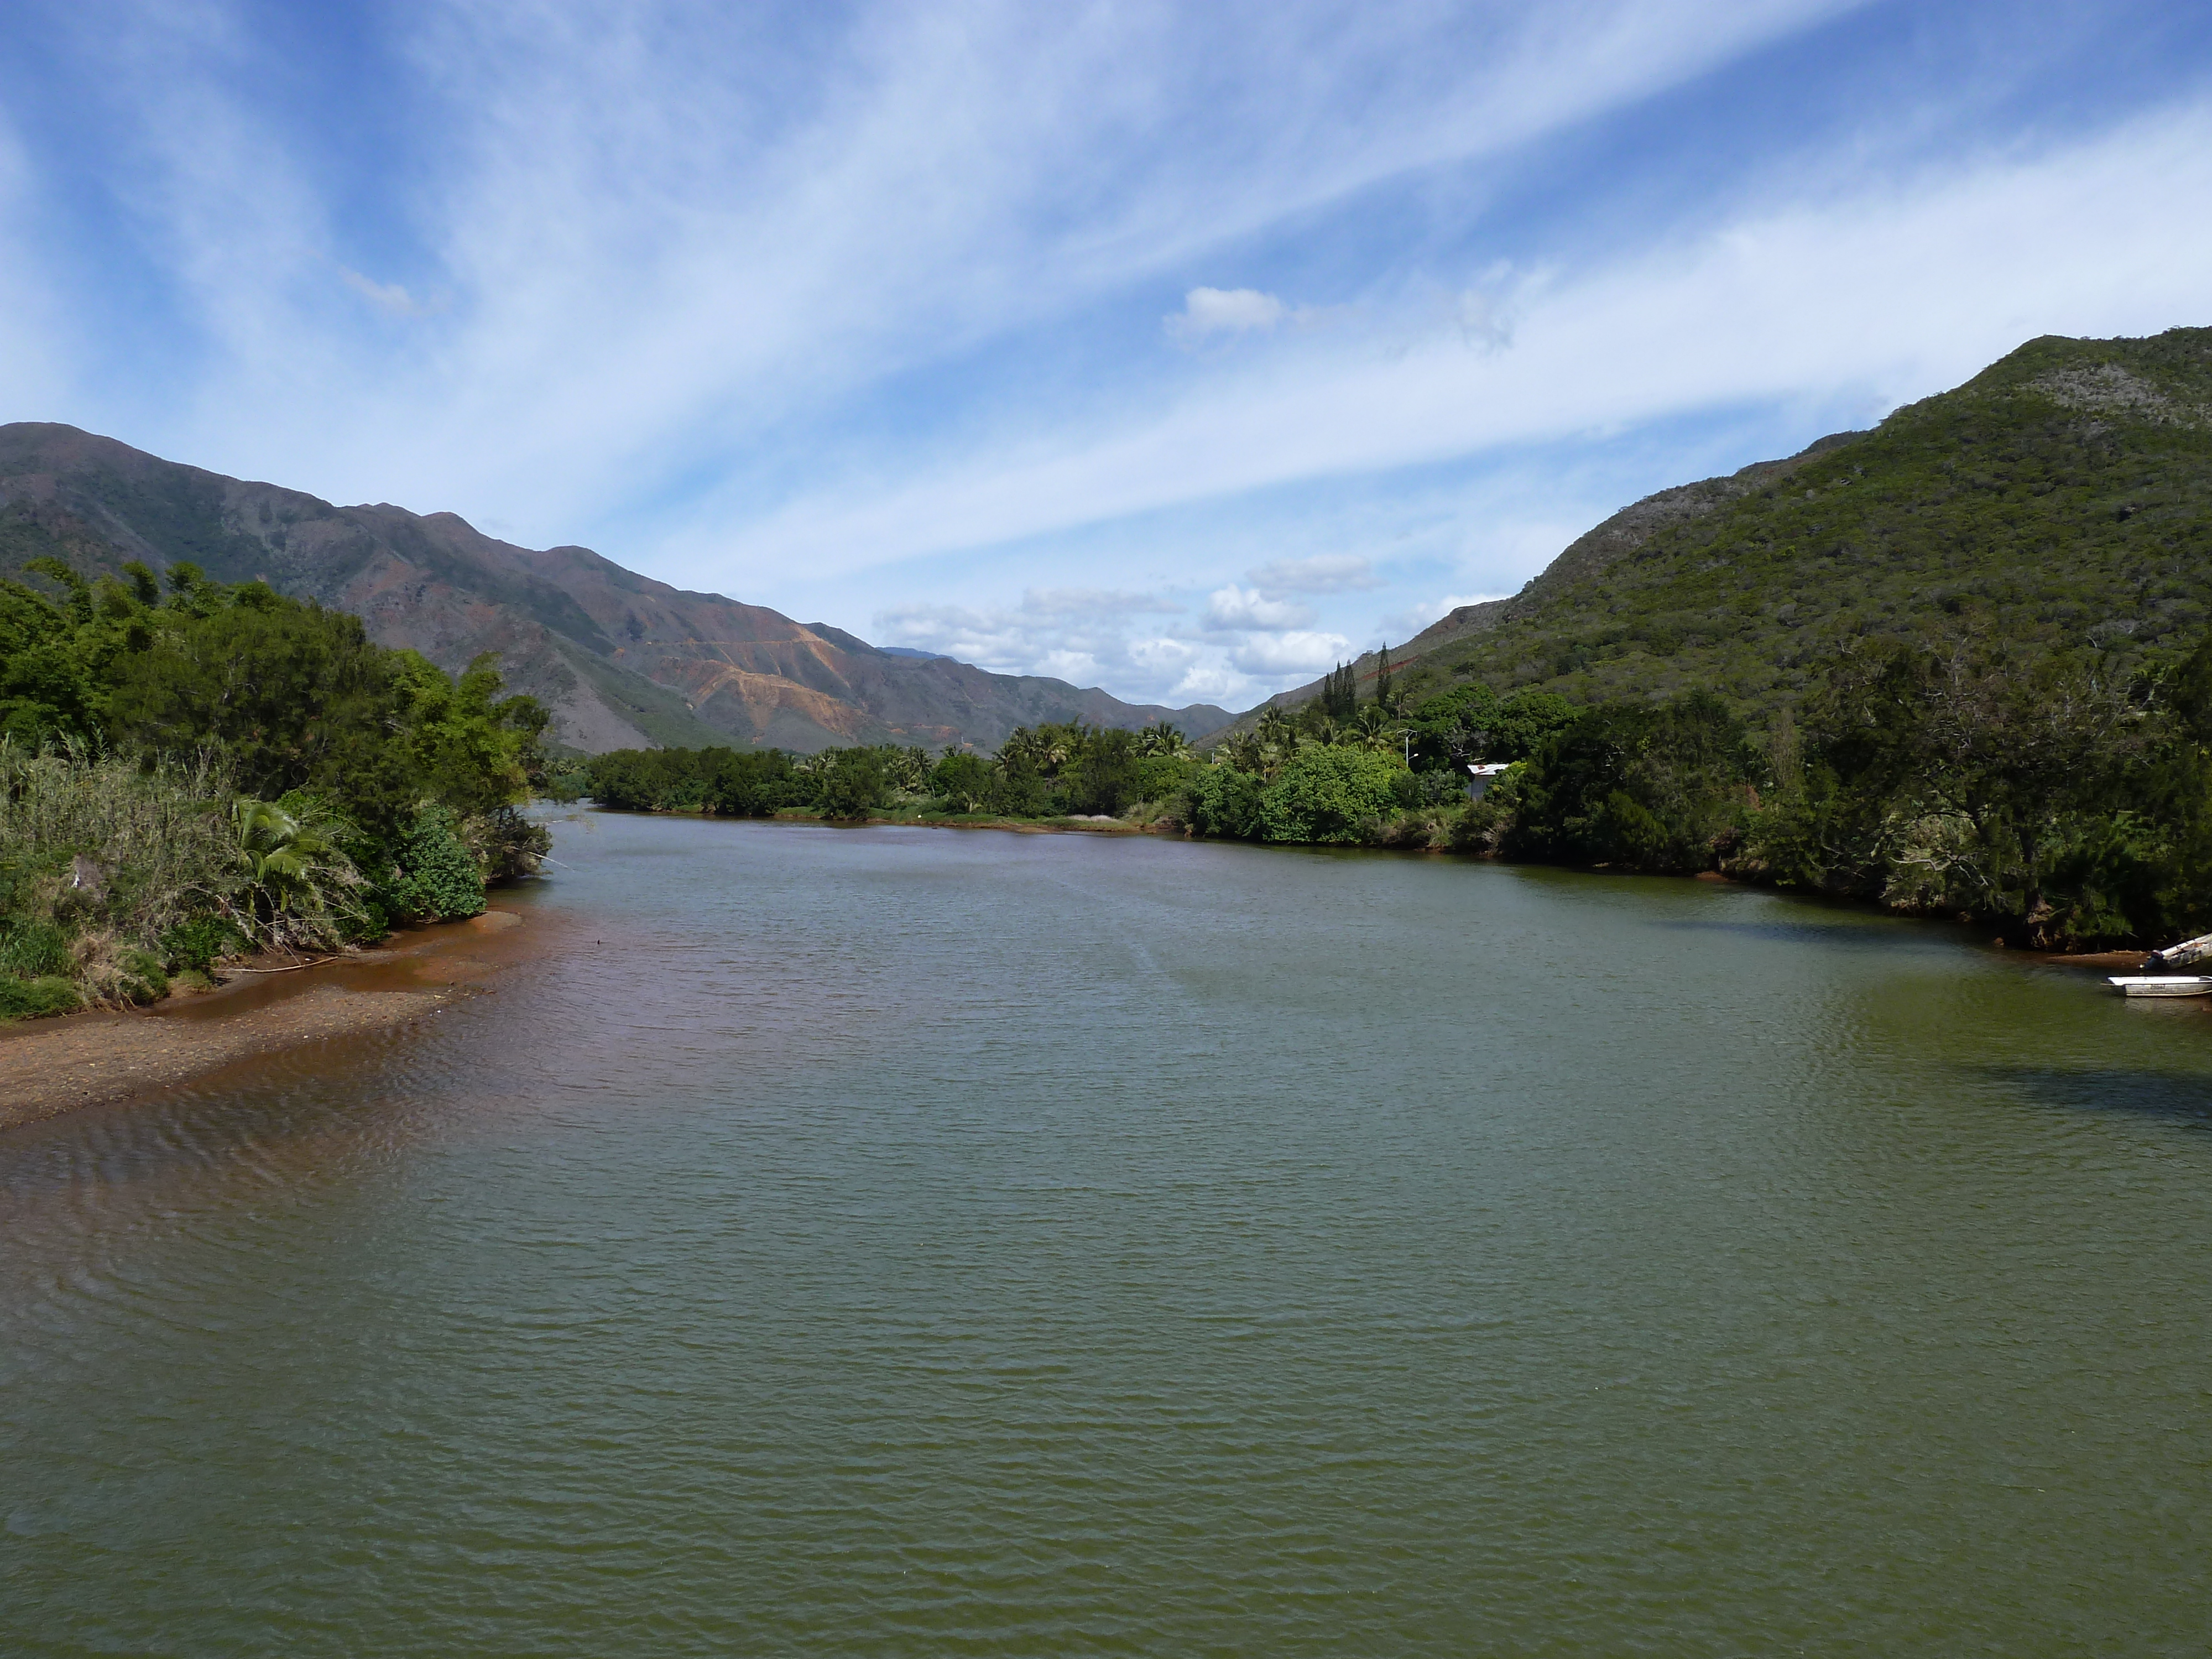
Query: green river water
(901, 1242)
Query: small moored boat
(2185, 985)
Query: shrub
(373, 921)
(196, 946)
(751, 785)
(1326, 792)
(34, 999)
(1429, 829)
(1221, 800)
(506, 845)
(849, 783)
(1442, 787)
(139, 977)
(435, 880)
(963, 783)
(1107, 775)
(1018, 791)
(1652, 787)
(1482, 824)
(1163, 777)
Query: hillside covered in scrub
(2062, 498)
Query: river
(908, 1242)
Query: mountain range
(2063, 497)
(620, 660)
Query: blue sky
(1176, 349)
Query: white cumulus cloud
(1299, 652)
(1207, 312)
(1084, 636)
(1235, 607)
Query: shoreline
(112, 1057)
(2127, 960)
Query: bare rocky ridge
(2109, 389)
(622, 660)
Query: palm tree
(1375, 730)
(277, 849)
(1018, 749)
(1243, 751)
(1060, 743)
(298, 881)
(1161, 740)
(908, 769)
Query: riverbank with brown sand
(55, 1066)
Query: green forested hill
(2060, 498)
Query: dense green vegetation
(2067, 801)
(2060, 498)
(1040, 772)
(1957, 666)
(2064, 801)
(1298, 778)
(217, 770)
(2064, 798)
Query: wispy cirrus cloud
(668, 228)
(1317, 573)
(845, 309)
(393, 298)
(1914, 288)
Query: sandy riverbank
(53, 1066)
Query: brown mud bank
(55, 1066)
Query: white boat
(2186, 985)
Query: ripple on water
(927, 1242)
